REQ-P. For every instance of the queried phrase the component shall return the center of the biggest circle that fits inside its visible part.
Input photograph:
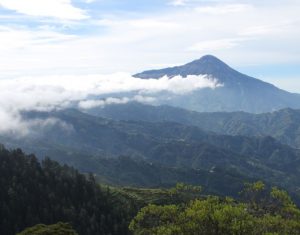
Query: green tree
(159, 220)
(265, 212)
(55, 229)
(45, 193)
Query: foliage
(141, 197)
(55, 229)
(183, 193)
(275, 214)
(33, 193)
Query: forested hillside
(47, 198)
(175, 151)
(282, 125)
(46, 192)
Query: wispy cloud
(20, 38)
(92, 103)
(62, 9)
(89, 1)
(271, 29)
(157, 24)
(224, 9)
(178, 2)
(215, 45)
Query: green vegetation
(48, 193)
(143, 154)
(263, 212)
(55, 229)
(140, 197)
(34, 193)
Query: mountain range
(135, 144)
(282, 125)
(152, 154)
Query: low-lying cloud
(84, 92)
(89, 104)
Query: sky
(69, 38)
(57, 54)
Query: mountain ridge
(167, 144)
(239, 92)
(282, 125)
(208, 64)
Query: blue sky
(64, 37)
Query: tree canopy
(54, 229)
(262, 214)
(46, 193)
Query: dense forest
(48, 198)
(33, 193)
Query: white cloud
(62, 9)
(214, 45)
(89, 104)
(14, 125)
(139, 24)
(16, 38)
(59, 92)
(178, 2)
(224, 9)
(262, 30)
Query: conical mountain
(238, 92)
(205, 65)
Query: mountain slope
(238, 93)
(166, 144)
(139, 173)
(282, 125)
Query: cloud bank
(61, 9)
(89, 104)
(83, 91)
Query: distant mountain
(238, 93)
(165, 144)
(283, 125)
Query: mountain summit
(208, 64)
(238, 93)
